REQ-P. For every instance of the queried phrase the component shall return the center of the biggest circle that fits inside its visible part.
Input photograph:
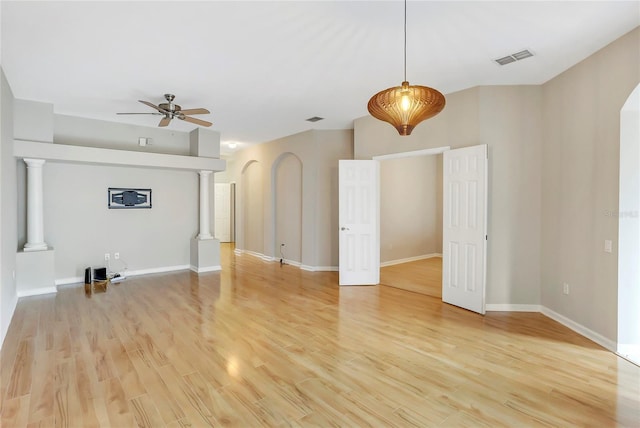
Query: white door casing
(464, 233)
(359, 208)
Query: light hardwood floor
(265, 345)
(420, 276)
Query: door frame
(410, 154)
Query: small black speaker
(100, 274)
(87, 275)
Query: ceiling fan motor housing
(170, 107)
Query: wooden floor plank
(259, 344)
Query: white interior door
(359, 209)
(464, 234)
(222, 212)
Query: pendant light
(406, 106)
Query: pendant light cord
(405, 40)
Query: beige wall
(318, 152)
(508, 120)
(580, 167)
(410, 207)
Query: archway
(251, 234)
(287, 208)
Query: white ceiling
(264, 67)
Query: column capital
(34, 162)
(204, 173)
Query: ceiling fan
(171, 111)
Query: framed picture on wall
(125, 198)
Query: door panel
(465, 227)
(359, 209)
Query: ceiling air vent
(514, 57)
(314, 119)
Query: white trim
(579, 328)
(5, 328)
(410, 259)
(508, 307)
(128, 273)
(290, 263)
(71, 280)
(205, 269)
(37, 292)
(625, 349)
(413, 153)
(630, 353)
(255, 254)
(94, 155)
(156, 270)
(320, 268)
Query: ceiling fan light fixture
(406, 106)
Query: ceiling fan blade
(155, 112)
(194, 120)
(147, 103)
(195, 111)
(165, 121)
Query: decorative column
(35, 215)
(204, 206)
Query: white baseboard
(319, 268)
(255, 254)
(507, 307)
(579, 328)
(286, 261)
(128, 273)
(11, 310)
(291, 263)
(72, 280)
(410, 259)
(206, 269)
(156, 270)
(37, 291)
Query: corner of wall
(8, 212)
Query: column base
(205, 255)
(35, 273)
(42, 246)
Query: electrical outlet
(565, 288)
(107, 256)
(116, 256)
(608, 246)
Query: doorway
(411, 224)
(411, 221)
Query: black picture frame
(128, 198)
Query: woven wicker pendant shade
(406, 106)
(420, 103)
